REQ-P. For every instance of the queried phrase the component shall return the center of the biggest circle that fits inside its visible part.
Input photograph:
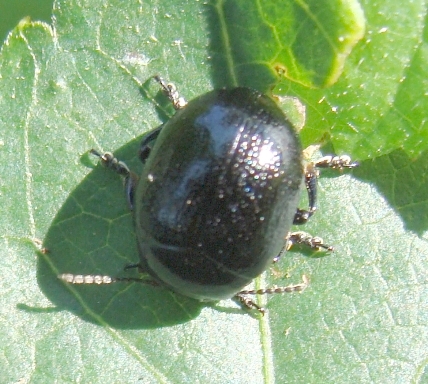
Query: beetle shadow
(93, 233)
(403, 182)
(151, 90)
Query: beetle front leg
(130, 178)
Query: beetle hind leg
(246, 302)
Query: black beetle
(218, 194)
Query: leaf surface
(84, 82)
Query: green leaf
(307, 41)
(84, 82)
(379, 103)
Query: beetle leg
(130, 178)
(171, 92)
(311, 180)
(314, 242)
(250, 304)
(336, 162)
(311, 176)
(145, 147)
(132, 266)
(101, 279)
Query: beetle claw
(249, 304)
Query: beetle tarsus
(302, 216)
(250, 304)
(336, 162)
(314, 242)
(288, 289)
(102, 279)
(86, 279)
